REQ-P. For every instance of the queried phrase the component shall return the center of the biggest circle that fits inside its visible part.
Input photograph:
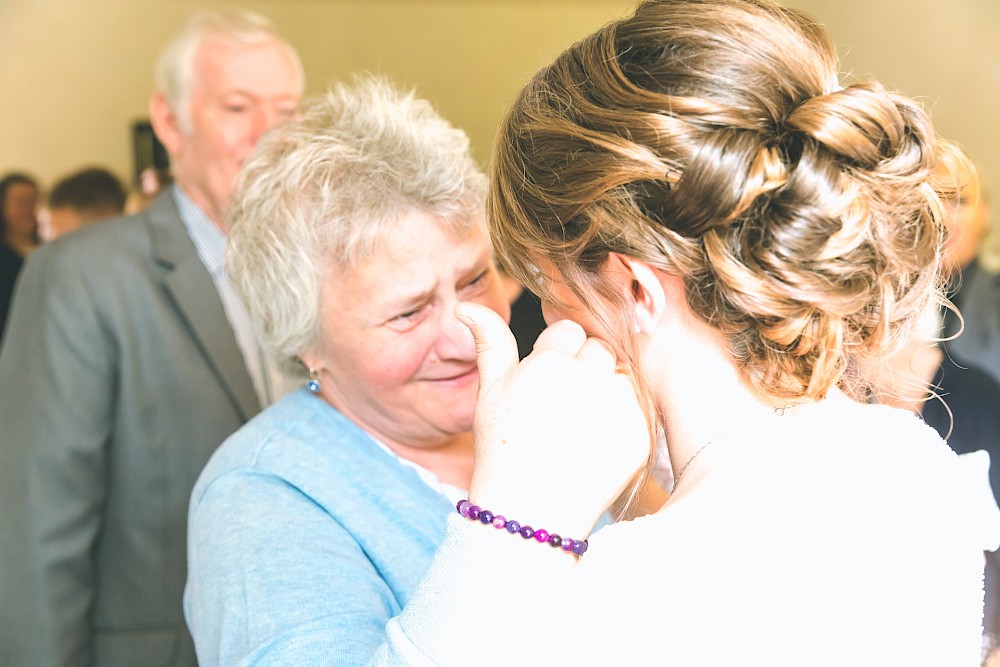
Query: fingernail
(461, 316)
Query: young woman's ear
(647, 294)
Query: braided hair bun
(711, 138)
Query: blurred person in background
(133, 360)
(975, 285)
(18, 233)
(151, 181)
(81, 198)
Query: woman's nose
(455, 341)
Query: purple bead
(580, 547)
(486, 517)
(555, 541)
(499, 521)
(542, 535)
(474, 512)
(463, 507)
(513, 527)
(567, 544)
(527, 532)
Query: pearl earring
(313, 383)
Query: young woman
(712, 219)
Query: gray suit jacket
(119, 376)
(979, 343)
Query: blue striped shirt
(210, 244)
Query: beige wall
(944, 52)
(75, 73)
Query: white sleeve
(482, 602)
(974, 479)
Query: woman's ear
(646, 291)
(311, 361)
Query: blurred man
(968, 223)
(966, 374)
(86, 196)
(977, 293)
(128, 361)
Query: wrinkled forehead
(401, 235)
(264, 68)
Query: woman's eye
(477, 281)
(403, 317)
(408, 320)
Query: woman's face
(393, 358)
(568, 306)
(19, 209)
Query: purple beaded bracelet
(476, 513)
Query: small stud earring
(313, 384)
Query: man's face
(240, 91)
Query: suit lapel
(982, 316)
(993, 294)
(190, 286)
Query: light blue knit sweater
(305, 538)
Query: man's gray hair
(322, 192)
(175, 68)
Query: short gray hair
(175, 70)
(320, 193)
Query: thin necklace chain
(677, 477)
(778, 411)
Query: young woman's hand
(559, 435)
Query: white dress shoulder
(847, 534)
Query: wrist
(574, 546)
(547, 510)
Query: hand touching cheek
(559, 435)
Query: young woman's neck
(700, 393)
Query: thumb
(496, 349)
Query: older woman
(354, 233)
(717, 222)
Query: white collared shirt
(210, 243)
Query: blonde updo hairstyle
(711, 139)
